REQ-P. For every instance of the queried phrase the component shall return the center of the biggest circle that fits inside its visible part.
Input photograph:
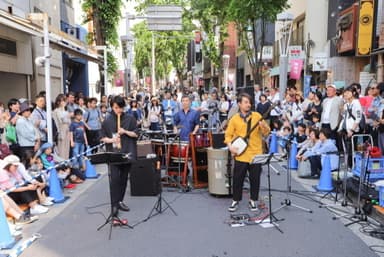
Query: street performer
(238, 126)
(119, 132)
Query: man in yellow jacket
(238, 126)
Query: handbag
(304, 169)
(10, 133)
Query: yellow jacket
(238, 127)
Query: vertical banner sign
(296, 67)
(365, 29)
(307, 85)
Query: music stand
(111, 158)
(266, 160)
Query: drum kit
(174, 154)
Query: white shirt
(325, 119)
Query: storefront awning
(58, 40)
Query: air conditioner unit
(72, 31)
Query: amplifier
(218, 140)
(144, 178)
(144, 147)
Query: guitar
(241, 143)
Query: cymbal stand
(287, 201)
(271, 215)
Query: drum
(201, 140)
(179, 150)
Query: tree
(213, 17)
(105, 16)
(170, 48)
(254, 14)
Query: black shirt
(127, 122)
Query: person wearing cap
(23, 194)
(27, 135)
(332, 109)
(27, 178)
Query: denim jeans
(77, 162)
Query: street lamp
(286, 21)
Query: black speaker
(218, 140)
(144, 178)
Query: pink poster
(296, 67)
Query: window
(8, 47)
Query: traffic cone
(293, 163)
(273, 143)
(90, 171)
(325, 182)
(55, 190)
(6, 239)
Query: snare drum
(179, 150)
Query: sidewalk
(198, 230)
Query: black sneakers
(233, 206)
(252, 205)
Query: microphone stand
(287, 201)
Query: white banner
(320, 62)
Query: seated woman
(323, 146)
(40, 184)
(25, 193)
(13, 210)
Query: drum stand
(182, 188)
(287, 201)
(271, 216)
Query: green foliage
(170, 46)
(213, 16)
(248, 14)
(105, 15)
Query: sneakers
(47, 203)
(38, 209)
(51, 199)
(23, 219)
(233, 206)
(252, 205)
